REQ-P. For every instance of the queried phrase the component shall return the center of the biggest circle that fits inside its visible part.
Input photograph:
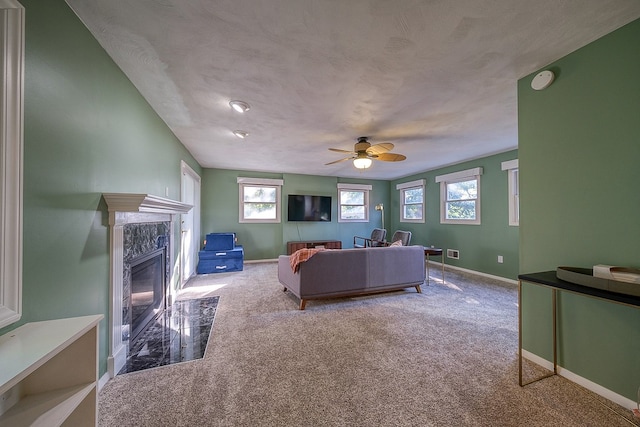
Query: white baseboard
(477, 273)
(103, 381)
(588, 384)
(537, 360)
(257, 261)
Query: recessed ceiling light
(241, 134)
(239, 106)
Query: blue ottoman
(220, 261)
(220, 241)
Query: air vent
(453, 254)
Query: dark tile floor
(179, 334)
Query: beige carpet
(446, 357)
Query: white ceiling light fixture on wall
(542, 80)
(239, 106)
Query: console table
(309, 244)
(548, 279)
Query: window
(460, 197)
(511, 167)
(260, 200)
(353, 201)
(412, 201)
(11, 146)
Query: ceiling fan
(363, 153)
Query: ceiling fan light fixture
(241, 134)
(362, 162)
(239, 106)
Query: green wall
(220, 211)
(479, 245)
(87, 131)
(579, 148)
(84, 124)
(578, 160)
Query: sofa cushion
(398, 264)
(327, 272)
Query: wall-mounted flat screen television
(309, 208)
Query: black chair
(403, 236)
(376, 239)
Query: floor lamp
(380, 207)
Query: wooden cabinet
(327, 244)
(49, 373)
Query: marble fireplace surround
(124, 209)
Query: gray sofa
(343, 272)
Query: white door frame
(189, 237)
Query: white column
(118, 352)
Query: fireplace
(145, 276)
(142, 227)
(148, 274)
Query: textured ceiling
(436, 78)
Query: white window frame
(452, 178)
(511, 167)
(412, 185)
(259, 182)
(11, 160)
(354, 187)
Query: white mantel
(133, 202)
(131, 208)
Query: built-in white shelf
(49, 373)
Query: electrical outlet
(500, 259)
(453, 254)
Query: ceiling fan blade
(391, 157)
(380, 148)
(340, 151)
(338, 161)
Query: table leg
(555, 349)
(520, 333)
(428, 270)
(554, 321)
